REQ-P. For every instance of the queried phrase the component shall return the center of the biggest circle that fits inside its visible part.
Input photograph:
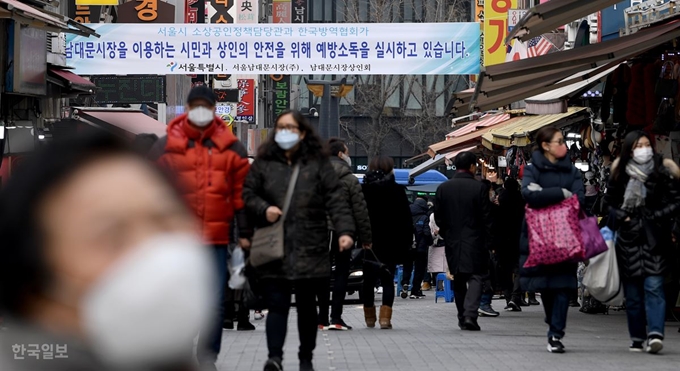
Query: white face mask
(347, 159)
(152, 303)
(286, 139)
(642, 155)
(201, 116)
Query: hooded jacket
(420, 214)
(351, 190)
(211, 167)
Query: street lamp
(330, 93)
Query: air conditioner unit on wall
(229, 83)
(56, 43)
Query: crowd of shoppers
(78, 244)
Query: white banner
(300, 49)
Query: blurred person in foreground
(211, 165)
(305, 266)
(354, 197)
(392, 229)
(644, 199)
(462, 210)
(101, 263)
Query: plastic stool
(399, 274)
(447, 292)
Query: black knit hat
(202, 92)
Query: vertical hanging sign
(195, 14)
(496, 30)
(246, 106)
(299, 14)
(281, 94)
(282, 12)
(247, 11)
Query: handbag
(601, 277)
(268, 242)
(554, 234)
(593, 241)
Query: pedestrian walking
(644, 199)
(354, 197)
(211, 165)
(392, 230)
(485, 305)
(550, 179)
(436, 259)
(102, 267)
(305, 267)
(416, 261)
(462, 210)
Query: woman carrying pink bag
(548, 181)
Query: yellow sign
(228, 119)
(97, 2)
(496, 30)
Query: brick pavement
(426, 337)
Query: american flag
(538, 46)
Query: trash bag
(237, 265)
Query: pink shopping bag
(555, 234)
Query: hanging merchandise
(635, 114)
(652, 73)
(615, 96)
(663, 146)
(515, 160)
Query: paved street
(426, 337)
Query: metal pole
(325, 117)
(334, 117)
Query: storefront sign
(514, 15)
(300, 11)
(26, 60)
(281, 94)
(282, 11)
(221, 11)
(247, 11)
(83, 13)
(195, 13)
(146, 11)
(496, 30)
(129, 89)
(227, 95)
(97, 2)
(225, 109)
(246, 105)
(376, 48)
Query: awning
(485, 121)
(461, 141)
(41, 18)
(419, 157)
(73, 81)
(502, 84)
(121, 121)
(553, 14)
(436, 161)
(517, 131)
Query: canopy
(485, 121)
(518, 131)
(125, 122)
(43, 19)
(436, 161)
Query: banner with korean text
(294, 49)
(496, 30)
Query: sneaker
(339, 325)
(245, 326)
(513, 307)
(273, 364)
(324, 326)
(555, 345)
(427, 286)
(258, 315)
(404, 292)
(487, 311)
(636, 347)
(306, 365)
(654, 345)
(228, 324)
(417, 295)
(379, 291)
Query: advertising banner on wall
(360, 49)
(282, 11)
(496, 30)
(246, 105)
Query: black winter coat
(508, 227)
(317, 193)
(388, 209)
(420, 214)
(462, 210)
(552, 178)
(351, 190)
(644, 243)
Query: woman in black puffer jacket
(644, 199)
(550, 179)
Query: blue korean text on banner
(293, 49)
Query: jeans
(372, 274)
(556, 306)
(467, 289)
(210, 340)
(645, 307)
(277, 294)
(341, 275)
(416, 263)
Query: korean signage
(221, 11)
(282, 12)
(226, 95)
(83, 13)
(514, 15)
(146, 11)
(300, 9)
(360, 49)
(97, 2)
(222, 109)
(195, 11)
(479, 18)
(281, 94)
(246, 105)
(247, 11)
(129, 89)
(496, 29)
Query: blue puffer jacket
(552, 178)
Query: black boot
(532, 299)
(306, 365)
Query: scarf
(636, 192)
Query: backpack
(422, 233)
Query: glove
(566, 193)
(533, 187)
